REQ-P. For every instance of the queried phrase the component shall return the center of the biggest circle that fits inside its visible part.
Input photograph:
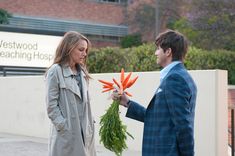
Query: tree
(141, 15)
(149, 17)
(214, 23)
(4, 15)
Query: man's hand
(121, 97)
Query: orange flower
(124, 83)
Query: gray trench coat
(72, 128)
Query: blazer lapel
(176, 67)
(161, 86)
(70, 81)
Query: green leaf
(112, 132)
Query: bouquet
(113, 132)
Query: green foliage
(108, 60)
(131, 41)
(214, 24)
(142, 58)
(210, 28)
(4, 15)
(112, 131)
(183, 26)
(198, 59)
(209, 38)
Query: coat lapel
(84, 86)
(70, 81)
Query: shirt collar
(68, 71)
(166, 69)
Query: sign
(27, 50)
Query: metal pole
(157, 18)
(232, 135)
(4, 72)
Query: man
(169, 117)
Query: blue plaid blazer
(169, 117)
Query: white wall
(22, 107)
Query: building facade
(102, 21)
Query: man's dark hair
(174, 40)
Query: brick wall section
(231, 96)
(231, 102)
(83, 10)
(100, 44)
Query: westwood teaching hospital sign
(27, 50)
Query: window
(110, 1)
(113, 1)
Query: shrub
(142, 58)
(131, 41)
(4, 15)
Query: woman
(67, 98)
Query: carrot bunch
(125, 82)
(112, 132)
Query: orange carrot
(126, 80)
(106, 86)
(135, 79)
(128, 94)
(115, 81)
(106, 82)
(130, 83)
(107, 90)
(121, 89)
(122, 75)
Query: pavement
(16, 145)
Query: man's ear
(168, 52)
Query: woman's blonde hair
(67, 44)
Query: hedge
(142, 58)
